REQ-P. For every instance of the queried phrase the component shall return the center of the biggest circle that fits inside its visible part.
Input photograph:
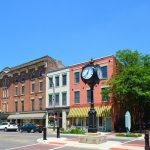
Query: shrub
(74, 131)
(129, 134)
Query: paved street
(28, 141)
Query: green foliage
(129, 134)
(130, 86)
(74, 131)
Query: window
(76, 77)
(105, 97)
(32, 88)
(41, 73)
(33, 75)
(40, 86)
(50, 82)
(32, 104)
(64, 98)
(16, 90)
(50, 100)
(89, 96)
(57, 99)
(77, 97)
(40, 103)
(22, 105)
(64, 79)
(23, 78)
(100, 121)
(104, 72)
(5, 92)
(57, 81)
(16, 79)
(22, 90)
(16, 106)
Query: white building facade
(58, 98)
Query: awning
(102, 111)
(27, 116)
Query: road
(28, 141)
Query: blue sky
(72, 31)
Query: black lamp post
(91, 75)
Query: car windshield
(12, 123)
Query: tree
(130, 86)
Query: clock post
(91, 75)
(92, 127)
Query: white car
(8, 126)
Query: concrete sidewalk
(109, 145)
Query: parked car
(8, 126)
(29, 127)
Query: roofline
(58, 69)
(93, 60)
(30, 62)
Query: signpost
(128, 121)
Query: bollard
(147, 140)
(44, 133)
(58, 132)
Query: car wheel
(28, 131)
(5, 129)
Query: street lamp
(53, 101)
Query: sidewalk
(109, 145)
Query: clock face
(87, 72)
(99, 72)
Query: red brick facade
(110, 62)
(10, 96)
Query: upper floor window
(41, 72)
(64, 98)
(23, 78)
(57, 99)
(50, 82)
(89, 96)
(5, 83)
(33, 75)
(64, 79)
(50, 100)
(16, 79)
(5, 92)
(32, 88)
(16, 90)
(40, 86)
(40, 103)
(57, 81)
(22, 90)
(104, 72)
(77, 97)
(105, 97)
(77, 77)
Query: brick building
(23, 90)
(80, 96)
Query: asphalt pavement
(34, 141)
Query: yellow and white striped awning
(81, 112)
